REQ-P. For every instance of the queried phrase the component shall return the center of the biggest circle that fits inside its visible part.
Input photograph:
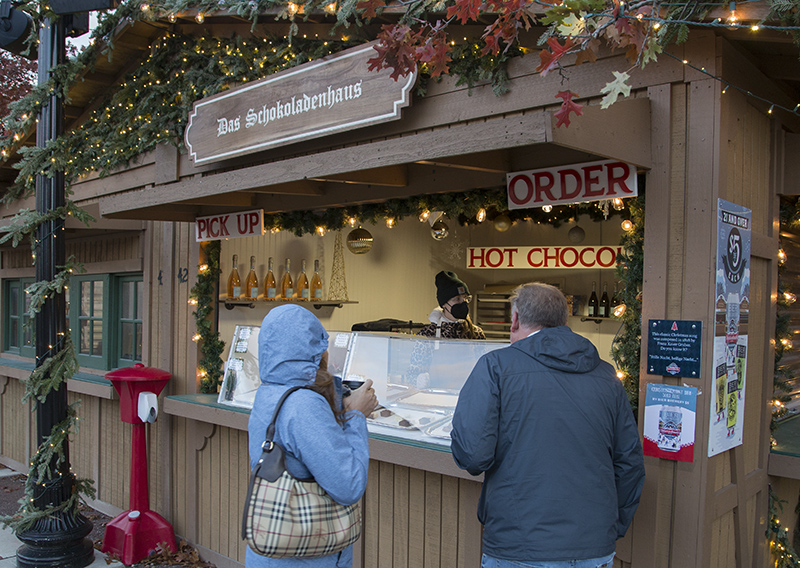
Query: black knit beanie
(449, 286)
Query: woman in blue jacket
(322, 437)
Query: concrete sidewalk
(9, 543)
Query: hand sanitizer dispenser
(148, 407)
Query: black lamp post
(59, 539)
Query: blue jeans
(602, 562)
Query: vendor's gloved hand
(362, 399)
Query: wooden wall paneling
(371, 512)
(416, 518)
(450, 528)
(216, 452)
(653, 514)
(385, 513)
(401, 521)
(180, 494)
(243, 474)
(470, 529)
(433, 519)
(203, 513)
(691, 534)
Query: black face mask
(460, 311)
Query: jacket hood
(290, 345)
(561, 349)
(437, 316)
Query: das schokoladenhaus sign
(329, 95)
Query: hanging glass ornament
(359, 241)
(502, 223)
(618, 204)
(576, 234)
(440, 230)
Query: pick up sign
(219, 227)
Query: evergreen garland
(782, 550)
(204, 295)
(626, 348)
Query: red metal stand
(138, 532)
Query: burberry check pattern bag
(288, 517)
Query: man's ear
(514, 321)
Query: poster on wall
(670, 413)
(732, 311)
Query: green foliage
(626, 346)
(205, 293)
(781, 548)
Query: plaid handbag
(288, 517)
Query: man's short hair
(538, 304)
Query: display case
(416, 379)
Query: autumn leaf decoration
(549, 59)
(567, 107)
(614, 89)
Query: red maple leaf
(395, 50)
(567, 107)
(435, 52)
(464, 10)
(549, 59)
(370, 7)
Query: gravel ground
(13, 488)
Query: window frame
(21, 348)
(116, 359)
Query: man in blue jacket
(549, 424)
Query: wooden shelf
(318, 304)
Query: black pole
(59, 540)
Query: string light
(789, 297)
(390, 222)
(481, 215)
(320, 231)
(200, 17)
(627, 225)
(424, 216)
(781, 256)
(352, 221)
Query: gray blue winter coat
(551, 426)
(290, 345)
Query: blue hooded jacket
(290, 345)
(551, 426)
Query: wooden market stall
(693, 140)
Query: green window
(104, 313)
(18, 332)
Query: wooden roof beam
(389, 176)
(495, 161)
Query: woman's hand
(362, 399)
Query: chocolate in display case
(416, 379)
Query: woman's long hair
(323, 384)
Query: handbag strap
(270, 435)
(272, 467)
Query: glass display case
(416, 379)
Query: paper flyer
(732, 315)
(670, 415)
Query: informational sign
(673, 347)
(543, 257)
(218, 227)
(732, 315)
(333, 94)
(575, 183)
(670, 414)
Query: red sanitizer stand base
(138, 532)
(135, 535)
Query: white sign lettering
(218, 227)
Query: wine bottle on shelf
(251, 284)
(605, 303)
(303, 291)
(234, 282)
(287, 285)
(592, 306)
(316, 283)
(270, 284)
